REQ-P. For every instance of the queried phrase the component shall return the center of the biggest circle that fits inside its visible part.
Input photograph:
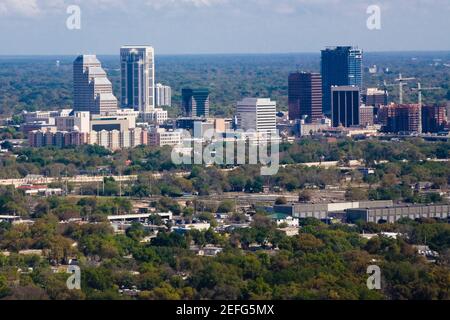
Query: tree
(304, 196)
(4, 289)
(226, 206)
(355, 194)
(280, 200)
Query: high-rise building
(305, 96)
(163, 95)
(92, 89)
(345, 103)
(257, 114)
(433, 118)
(137, 65)
(195, 102)
(340, 66)
(400, 118)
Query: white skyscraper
(163, 95)
(256, 114)
(92, 89)
(138, 78)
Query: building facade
(345, 104)
(163, 95)
(403, 118)
(433, 118)
(375, 97)
(366, 115)
(305, 96)
(195, 102)
(92, 90)
(257, 114)
(340, 66)
(137, 64)
(160, 137)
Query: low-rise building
(392, 214)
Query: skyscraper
(341, 66)
(163, 95)
(195, 102)
(345, 103)
(257, 114)
(305, 96)
(138, 78)
(92, 89)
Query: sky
(221, 26)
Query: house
(282, 218)
(203, 226)
(425, 251)
(207, 251)
(391, 235)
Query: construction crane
(419, 90)
(401, 82)
(385, 87)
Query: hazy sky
(221, 26)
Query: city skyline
(220, 26)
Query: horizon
(446, 51)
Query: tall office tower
(137, 65)
(345, 103)
(305, 96)
(163, 95)
(92, 89)
(433, 118)
(195, 102)
(340, 66)
(256, 114)
(400, 118)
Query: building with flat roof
(433, 118)
(366, 115)
(375, 97)
(160, 137)
(393, 214)
(400, 118)
(163, 95)
(305, 96)
(258, 114)
(322, 210)
(195, 102)
(112, 122)
(345, 104)
(340, 66)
